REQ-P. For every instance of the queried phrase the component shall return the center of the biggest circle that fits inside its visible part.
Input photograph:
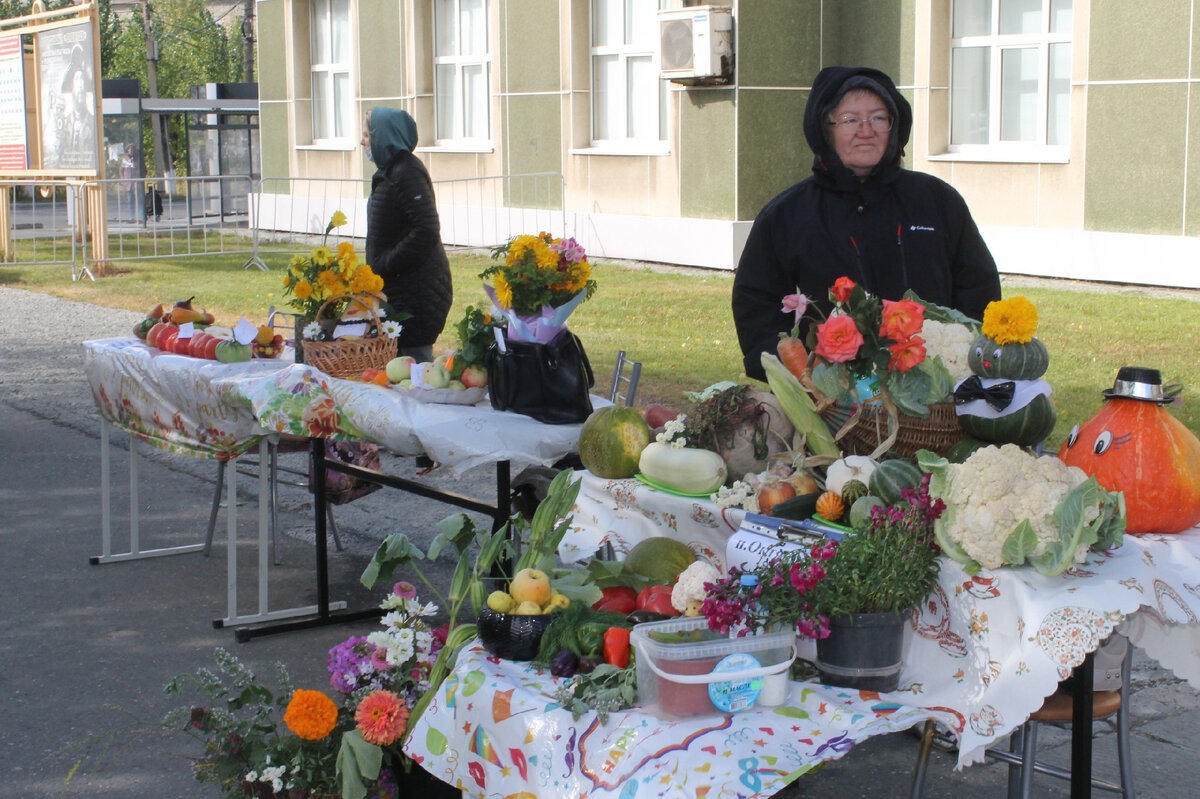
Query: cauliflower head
(689, 591)
(952, 343)
(996, 489)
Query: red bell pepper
(616, 647)
(617, 599)
(656, 598)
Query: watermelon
(660, 559)
(612, 440)
(891, 477)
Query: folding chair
(1021, 755)
(624, 386)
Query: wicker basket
(938, 433)
(347, 358)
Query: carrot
(793, 355)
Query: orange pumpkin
(1138, 448)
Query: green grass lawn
(678, 323)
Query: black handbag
(549, 382)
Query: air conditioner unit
(696, 44)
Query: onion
(771, 493)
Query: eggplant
(643, 616)
(564, 663)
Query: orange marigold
(1006, 321)
(311, 715)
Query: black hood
(827, 91)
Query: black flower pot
(863, 651)
(511, 636)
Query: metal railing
(37, 222)
(291, 214)
(46, 222)
(149, 218)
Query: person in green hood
(404, 235)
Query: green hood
(392, 131)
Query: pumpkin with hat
(1134, 445)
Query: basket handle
(352, 297)
(745, 674)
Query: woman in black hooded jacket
(404, 235)
(887, 228)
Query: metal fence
(45, 222)
(37, 222)
(288, 215)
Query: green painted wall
(274, 146)
(529, 46)
(772, 153)
(871, 33)
(1135, 180)
(382, 73)
(1129, 43)
(272, 43)
(707, 168)
(778, 42)
(532, 134)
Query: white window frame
(330, 125)
(624, 51)
(997, 149)
(460, 62)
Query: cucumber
(801, 506)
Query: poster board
(69, 128)
(13, 147)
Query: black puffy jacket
(896, 230)
(404, 247)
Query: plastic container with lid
(686, 669)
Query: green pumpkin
(1013, 361)
(1025, 427)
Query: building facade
(1064, 123)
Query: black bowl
(510, 636)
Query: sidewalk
(86, 649)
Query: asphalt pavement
(85, 650)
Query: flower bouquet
(345, 324)
(541, 282)
(539, 368)
(293, 742)
(874, 370)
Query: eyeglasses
(880, 123)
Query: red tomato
(196, 347)
(656, 598)
(166, 340)
(182, 346)
(156, 331)
(617, 599)
(210, 348)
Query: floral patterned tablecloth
(219, 410)
(980, 656)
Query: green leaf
(357, 761)
(1020, 544)
(396, 550)
(940, 313)
(457, 530)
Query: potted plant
(852, 596)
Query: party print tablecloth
(496, 730)
(220, 410)
(979, 657)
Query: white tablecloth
(220, 410)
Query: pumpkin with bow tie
(1005, 401)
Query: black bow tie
(998, 396)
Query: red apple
(474, 377)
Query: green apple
(405, 383)
(457, 385)
(436, 376)
(399, 368)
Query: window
(629, 101)
(331, 93)
(1010, 74)
(461, 69)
